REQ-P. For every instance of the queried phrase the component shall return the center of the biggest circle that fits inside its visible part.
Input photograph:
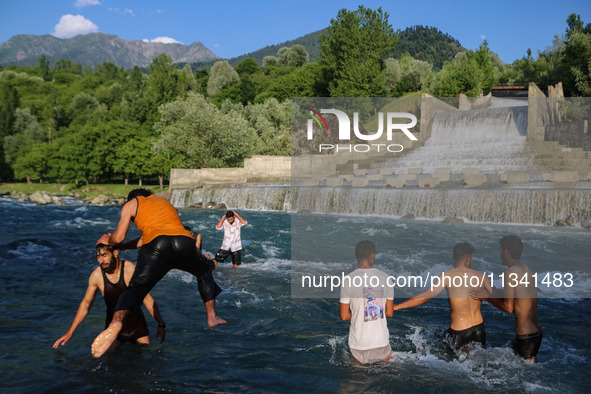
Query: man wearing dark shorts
(164, 245)
(112, 278)
(467, 325)
(518, 297)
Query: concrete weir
(487, 161)
(532, 206)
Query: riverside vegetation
(71, 124)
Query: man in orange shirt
(164, 245)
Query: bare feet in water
(103, 342)
(215, 321)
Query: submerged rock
(410, 216)
(451, 219)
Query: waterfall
(532, 206)
(492, 139)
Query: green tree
(44, 68)
(221, 75)
(483, 57)
(247, 67)
(186, 81)
(200, 135)
(353, 49)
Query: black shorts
(527, 346)
(222, 255)
(459, 339)
(158, 257)
(134, 327)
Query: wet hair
(462, 249)
(229, 214)
(187, 228)
(364, 250)
(138, 192)
(108, 248)
(513, 244)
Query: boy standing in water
(232, 244)
(366, 301)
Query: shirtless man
(164, 245)
(518, 297)
(111, 277)
(467, 324)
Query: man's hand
(161, 333)
(63, 339)
(479, 293)
(104, 239)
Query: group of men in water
(369, 336)
(165, 244)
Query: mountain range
(95, 48)
(423, 43)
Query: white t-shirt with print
(366, 293)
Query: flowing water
(274, 342)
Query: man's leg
(105, 339)
(212, 319)
(191, 260)
(236, 259)
(221, 256)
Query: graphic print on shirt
(373, 308)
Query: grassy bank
(112, 191)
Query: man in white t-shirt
(232, 243)
(366, 300)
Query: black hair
(364, 250)
(138, 192)
(462, 249)
(513, 244)
(229, 214)
(108, 248)
(187, 228)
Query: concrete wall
(469, 103)
(574, 135)
(429, 107)
(256, 169)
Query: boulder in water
(410, 216)
(451, 219)
(220, 206)
(41, 198)
(198, 205)
(210, 204)
(101, 199)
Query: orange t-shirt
(155, 216)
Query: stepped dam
(553, 181)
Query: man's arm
(82, 309)
(389, 308)
(115, 239)
(152, 307)
(239, 218)
(219, 225)
(505, 303)
(422, 297)
(345, 312)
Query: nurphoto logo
(344, 133)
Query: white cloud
(216, 45)
(163, 40)
(72, 25)
(482, 37)
(85, 3)
(122, 11)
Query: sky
(233, 28)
